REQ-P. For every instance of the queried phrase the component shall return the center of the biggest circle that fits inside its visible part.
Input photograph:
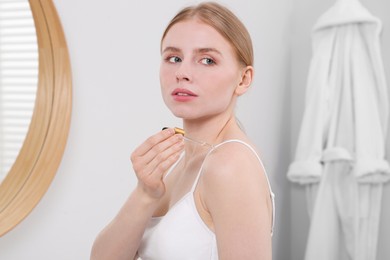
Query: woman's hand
(152, 159)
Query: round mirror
(40, 154)
(18, 78)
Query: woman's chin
(185, 116)
(180, 113)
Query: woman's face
(199, 71)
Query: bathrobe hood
(344, 12)
(346, 107)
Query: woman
(206, 196)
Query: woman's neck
(210, 132)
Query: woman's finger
(158, 149)
(153, 140)
(158, 165)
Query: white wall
(114, 49)
(302, 22)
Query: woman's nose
(183, 73)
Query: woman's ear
(246, 80)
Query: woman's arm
(237, 196)
(121, 238)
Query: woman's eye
(207, 61)
(174, 59)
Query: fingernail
(171, 130)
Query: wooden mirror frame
(41, 153)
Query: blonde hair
(223, 21)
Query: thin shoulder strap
(174, 165)
(261, 163)
(225, 142)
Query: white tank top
(181, 234)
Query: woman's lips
(183, 95)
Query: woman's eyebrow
(206, 50)
(171, 49)
(196, 51)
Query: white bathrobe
(340, 155)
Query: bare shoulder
(234, 167)
(233, 160)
